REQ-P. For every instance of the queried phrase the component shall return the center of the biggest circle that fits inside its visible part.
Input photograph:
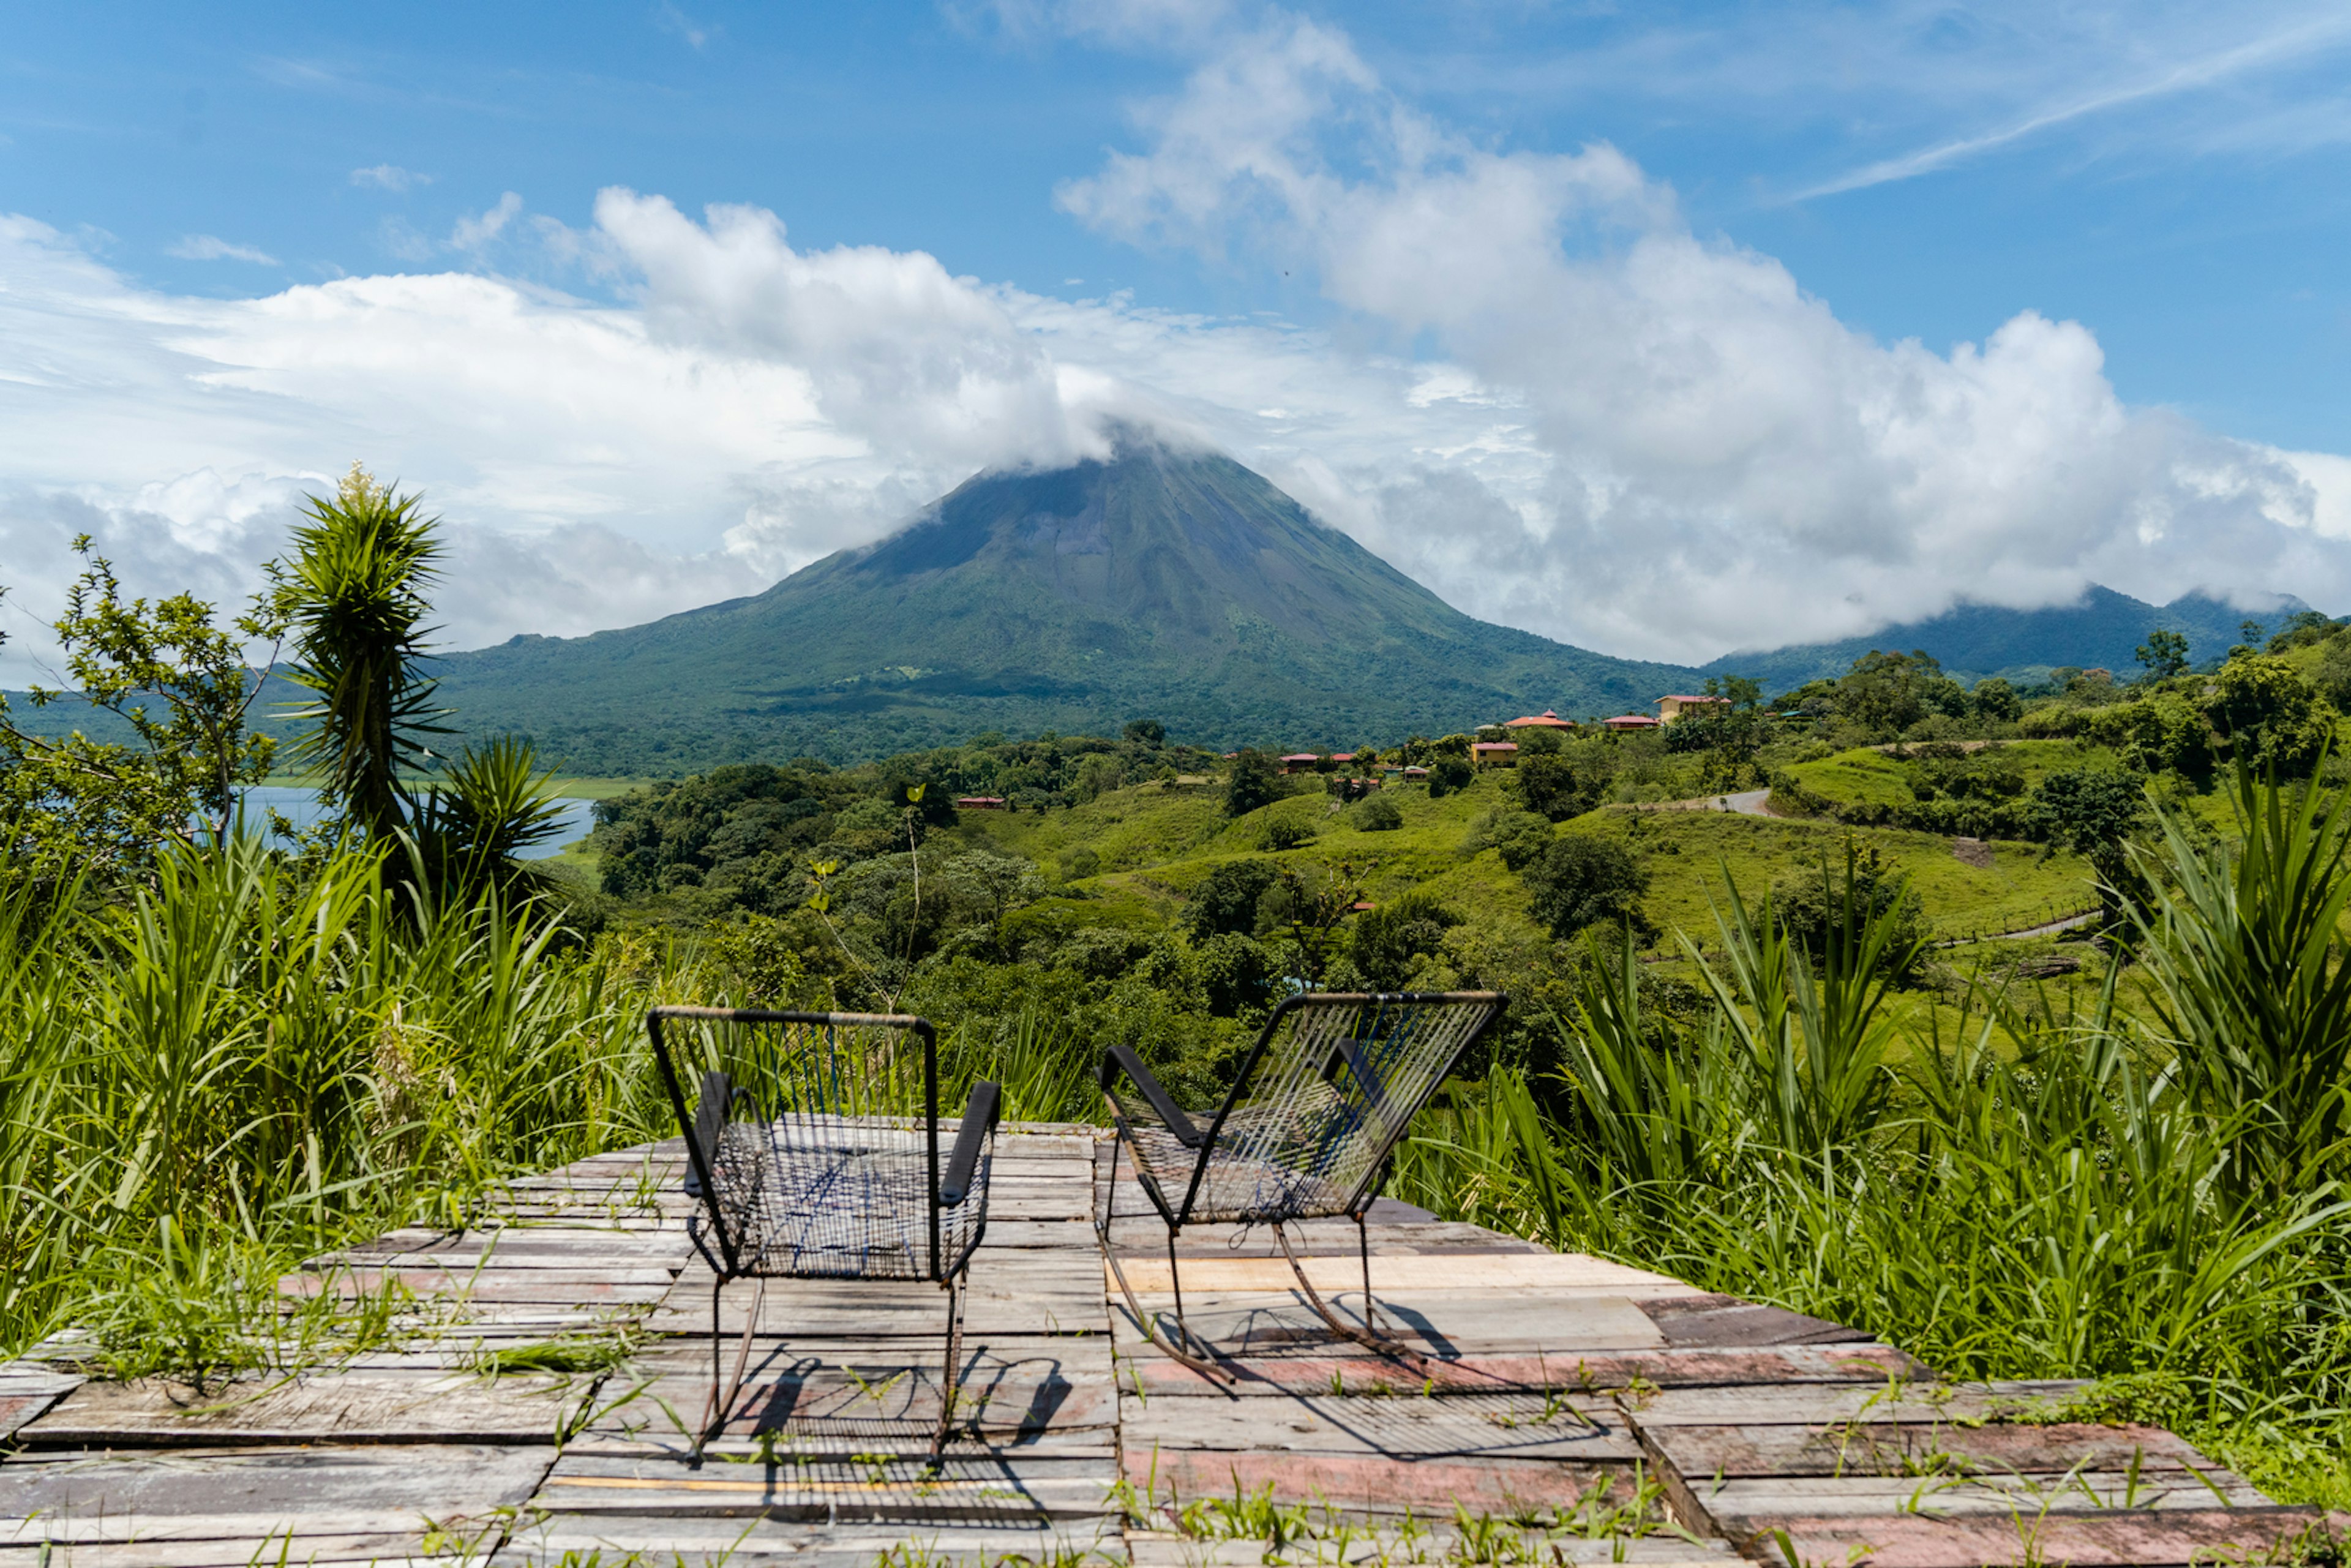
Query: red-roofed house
(1629, 721)
(1543, 720)
(1672, 708)
(1300, 762)
(980, 802)
(1494, 753)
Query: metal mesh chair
(1305, 1132)
(808, 1165)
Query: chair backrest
(1333, 1081)
(773, 1090)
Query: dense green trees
(1580, 881)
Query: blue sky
(1808, 184)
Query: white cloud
(389, 177)
(211, 247)
(473, 233)
(1699, 455)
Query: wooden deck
(1570, 1410)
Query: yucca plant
(354, 598)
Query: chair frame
(1121, 1061)
(982, 1112)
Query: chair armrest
(1122, 1059)
(980, 1115)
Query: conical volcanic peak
(1159, 583)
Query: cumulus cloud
(212, 247)
(473, 233)
(1722, 462)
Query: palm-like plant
(496, 803)
(354, 599)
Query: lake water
(301, 807)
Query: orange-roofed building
(1494, 753)
(1546, 719)
(1672, 708)
(1629, 721)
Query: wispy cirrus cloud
(212, 247)
(389, 177)
(2291, 44)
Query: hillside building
(1671, 708)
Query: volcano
(1160, 584)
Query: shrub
(1255, 782)
(1285, 833)
(1818, 907)
(1386, 941)
(1548, 782)
(1376, 815)
(1447, 774)
(1582, 880)
(1225, 901)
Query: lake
(301, 807)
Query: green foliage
(1449, 773)
(1226, 900)
(251, 1058)
(2164, 654)
(1375, 814)
(1995, 700)
(74, 805)
(354, 599)
(1554, 784)
(1885, 694)
(1256, 782)
(2265, 715)
(1582, 880)
(1823, 912)
(1388, 943)
(2245, 949)
(2037, 1198)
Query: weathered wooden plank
(865, 1397)
(962, 1486)
(344, 1406)
(262, 1491)
(674, 1541)
(17, 1409)
(1375, 1486)
(1900, 1449)
(306, 1548)
(1595, 1373)
(560, 1286)
(1726, 1321)
(1554, 1273)
(1744, 1507)
(1521, 1427)
(1817, 1404)
(2156, 1539)
(1445, 1323)
(1169, 1548)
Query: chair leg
(1370, 1338)
(949, 1385)
(721, 1405)
(1144, 1319)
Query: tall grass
(252, 1058)
(249, 1058)
(2153, 1199)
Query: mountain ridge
(2102, 629)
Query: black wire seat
(1305, 1132)
(804, 1174)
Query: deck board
(1549, 1389)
